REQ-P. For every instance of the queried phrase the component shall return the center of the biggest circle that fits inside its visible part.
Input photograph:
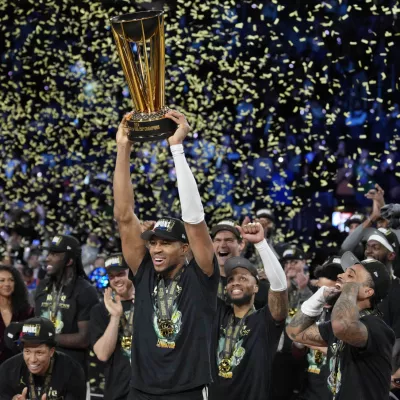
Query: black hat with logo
(355, 219)
(240, 262)
(293, 253)
(265, 213)
(36, 330)
(330, 269)
(376, 269)
(169, 229)
(116, 262)
(64, 243)
(225, 225)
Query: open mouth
(158, 261)
(338, 286)
(223, 254)
(236, 292)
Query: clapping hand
(114, 307)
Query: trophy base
(150, 127)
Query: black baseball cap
(64, 243)
(167, 228)
(355, 219)
(226, 225)
(240, 262)
(265, 213)
(116, 262)
(330, 269)
(293, 253)
(35, 330)
(376, 269)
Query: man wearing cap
(40, 372)
(66, 297)
(228, 243)
(246, 339)
(359, 341)
(175, 296)
(315, 387)
(111, 325)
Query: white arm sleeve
(272, 267)
(314, 305)
(191, 206)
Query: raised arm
(302, 328)
(345, 317)
(278, 293)
(133, 247)
(192, 208)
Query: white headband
(382, 241)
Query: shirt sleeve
(76, 389)
(380, 336)
(326, 331)
(98, 323)
(146, 263)
(7, 390)
(87, 299)
(209, 284)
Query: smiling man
(359, 342)
(66, 297)
(111, 328)
(246, 339)
(176, 294)
(40, 372)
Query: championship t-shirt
(67, 379)
(118, 369)
(75, 303)
(252, 355)
(355, 373)
(181, 362)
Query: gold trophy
(140, 42)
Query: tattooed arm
(303, 329)
(278, 304)
(345, 317)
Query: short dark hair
(373, 299)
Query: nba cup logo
(140, 42)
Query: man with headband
(40, 372)
(176, 295)
(111, 326)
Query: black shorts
(198, 393)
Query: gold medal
(225, 365)
(166, 327)
(126, 342)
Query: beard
(332, 298)
(167, 271)
(246, 299)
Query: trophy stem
(149, 91)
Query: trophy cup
(140, 42)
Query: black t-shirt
(76, 302)
(252, 356)
(261, 297)
(67, 380)
(161, 366)
(362, 374)
(390, 307)
(118, 369)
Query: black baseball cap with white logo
(240, 262)
(167, 228)
(355, 219)
(293, 253)
(116, 262)
(64, 243)
(376, 269)
(265, 213)
(330, 269)
(36, 330)
(225, 225)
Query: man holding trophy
(176, 294)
